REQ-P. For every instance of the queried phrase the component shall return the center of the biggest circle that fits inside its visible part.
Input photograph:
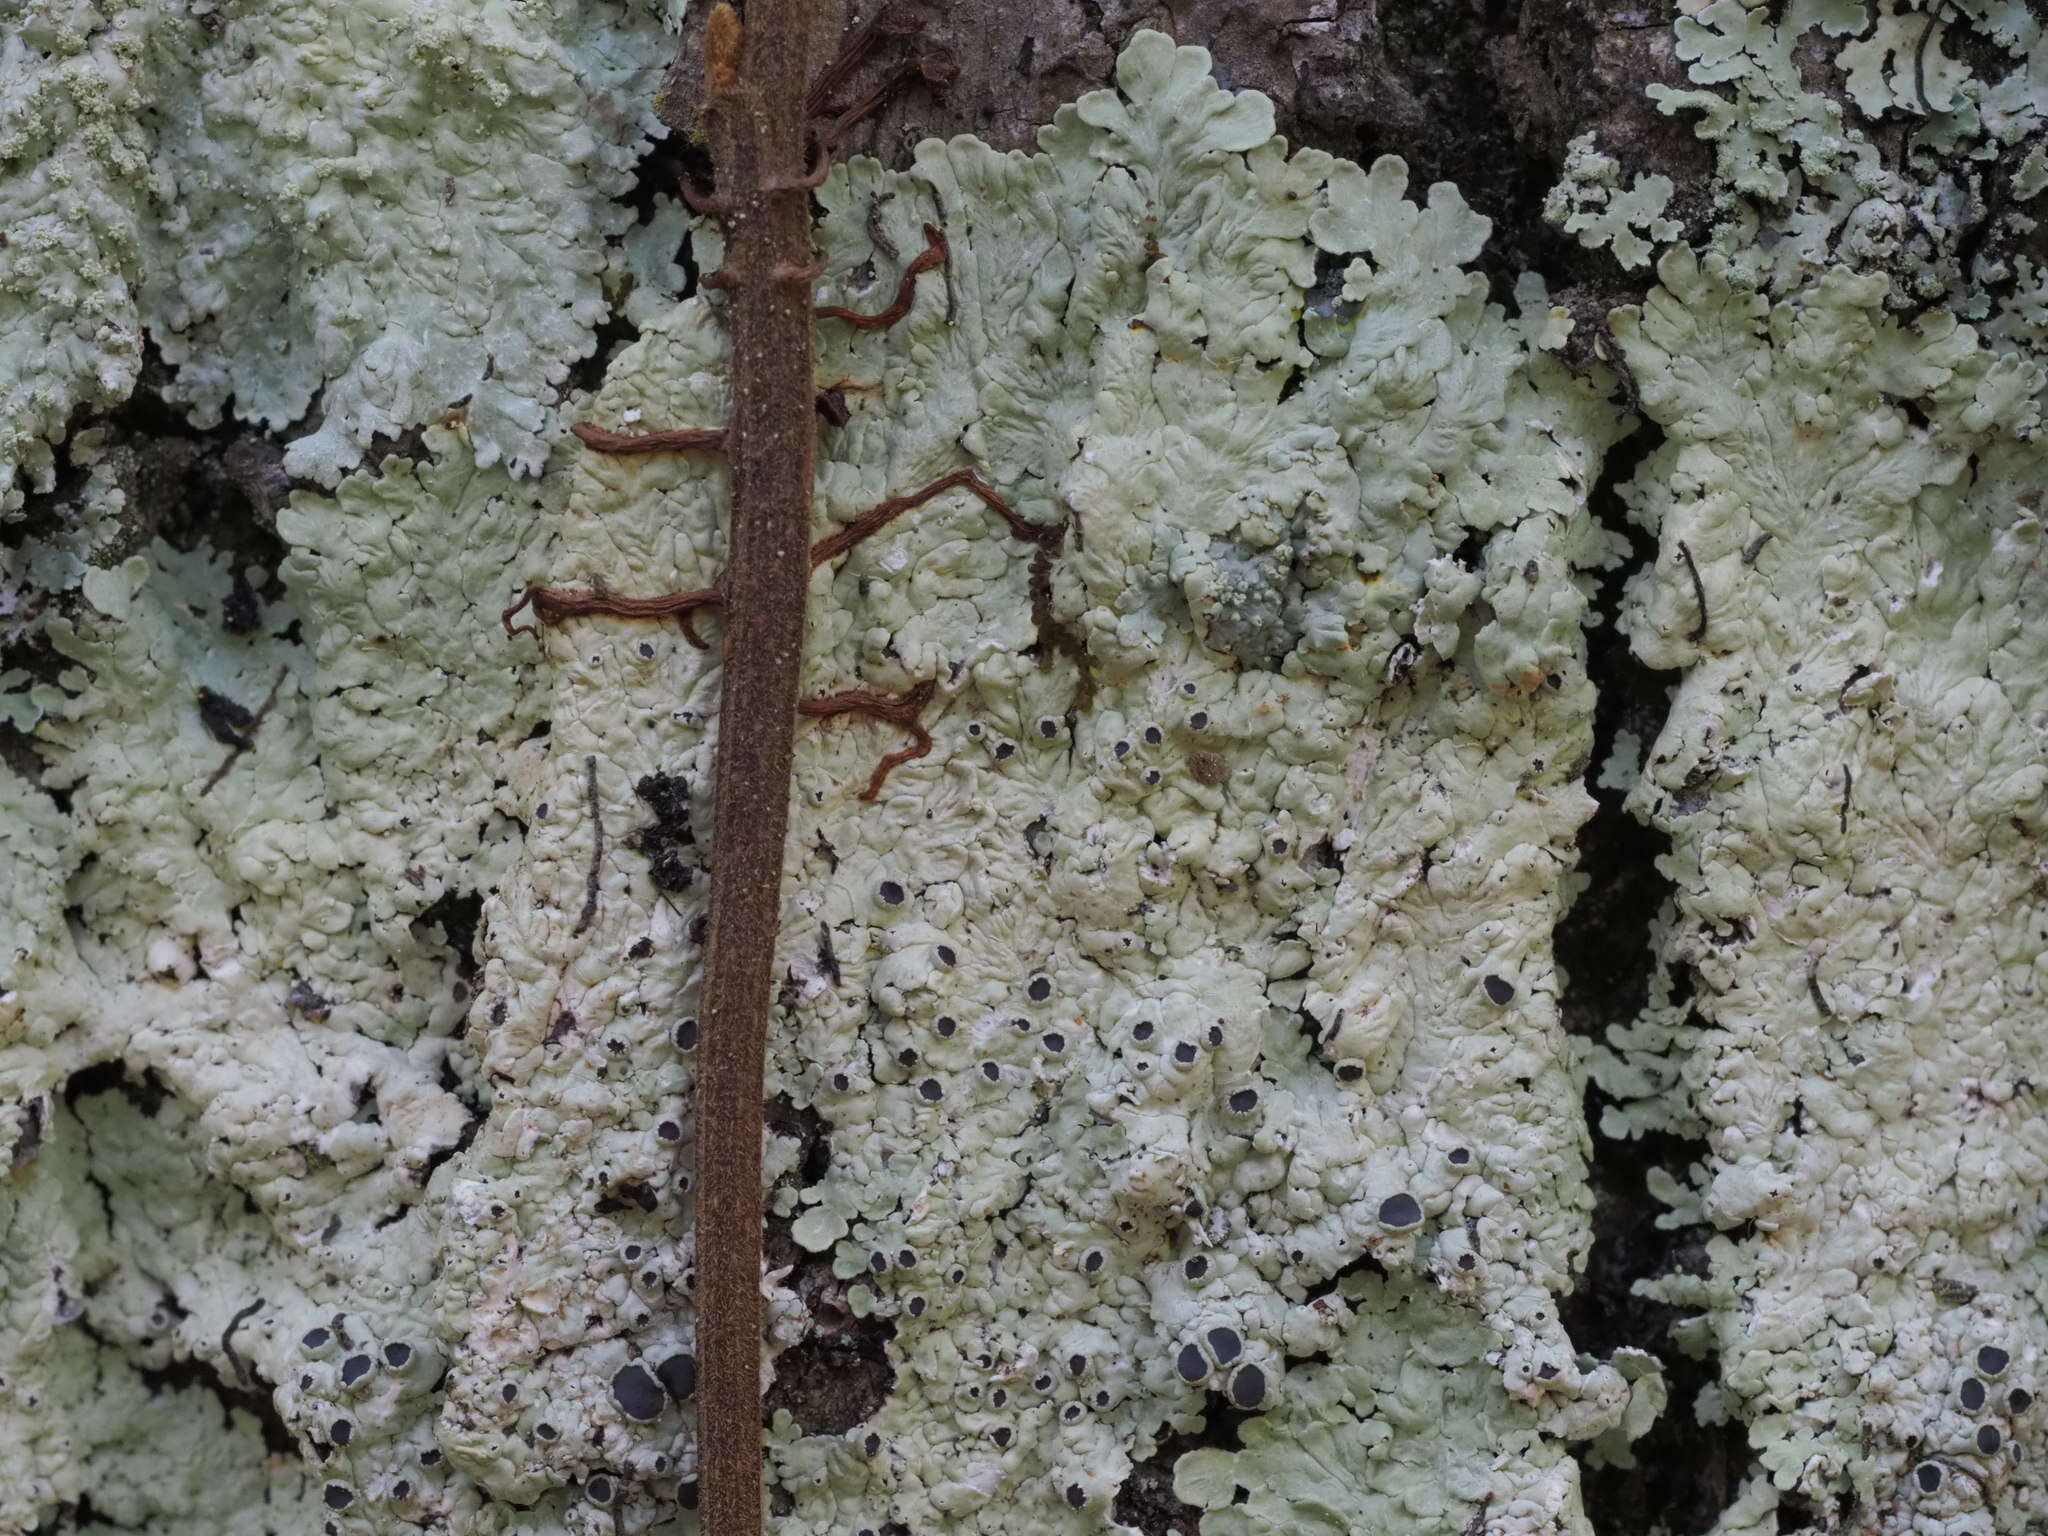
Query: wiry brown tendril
(897, 709)
(552, 605)
(935, 253)
(674, 440)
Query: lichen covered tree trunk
(1465, 954)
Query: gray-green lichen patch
(1847, 510)
(374, 212)
(253, 846)
(1855, 134)
(110, 1252)
(1201, 967)
(1406, 1427)
(1592, 204)
(1206, 954)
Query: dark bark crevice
(1685, 1473)
(1147, 1500)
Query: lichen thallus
(767, 159)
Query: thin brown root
(555, 605)
(675, 440)
(898, 709)
(883, 513)
(704, 201)
(937, 70)
(935, 253)
(811, 179)
(891, 21)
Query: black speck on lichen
(637, 1393)
(227, 722)
(667, 796)
(1248, 1387)
(241, 611)
(1400, 1212)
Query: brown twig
(552, 605)
(591, 881)
(758, 144)
(882, 513)
(1699, 593)
(767, 157)
(878, 236)
(674, 440)
(897, 709)
(935, 253)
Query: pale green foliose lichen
(1592, 204)
(1852, 776)
(1847, 1012)
(1202, 967)
(1924, 173)
(258, 937)
(369, 212)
